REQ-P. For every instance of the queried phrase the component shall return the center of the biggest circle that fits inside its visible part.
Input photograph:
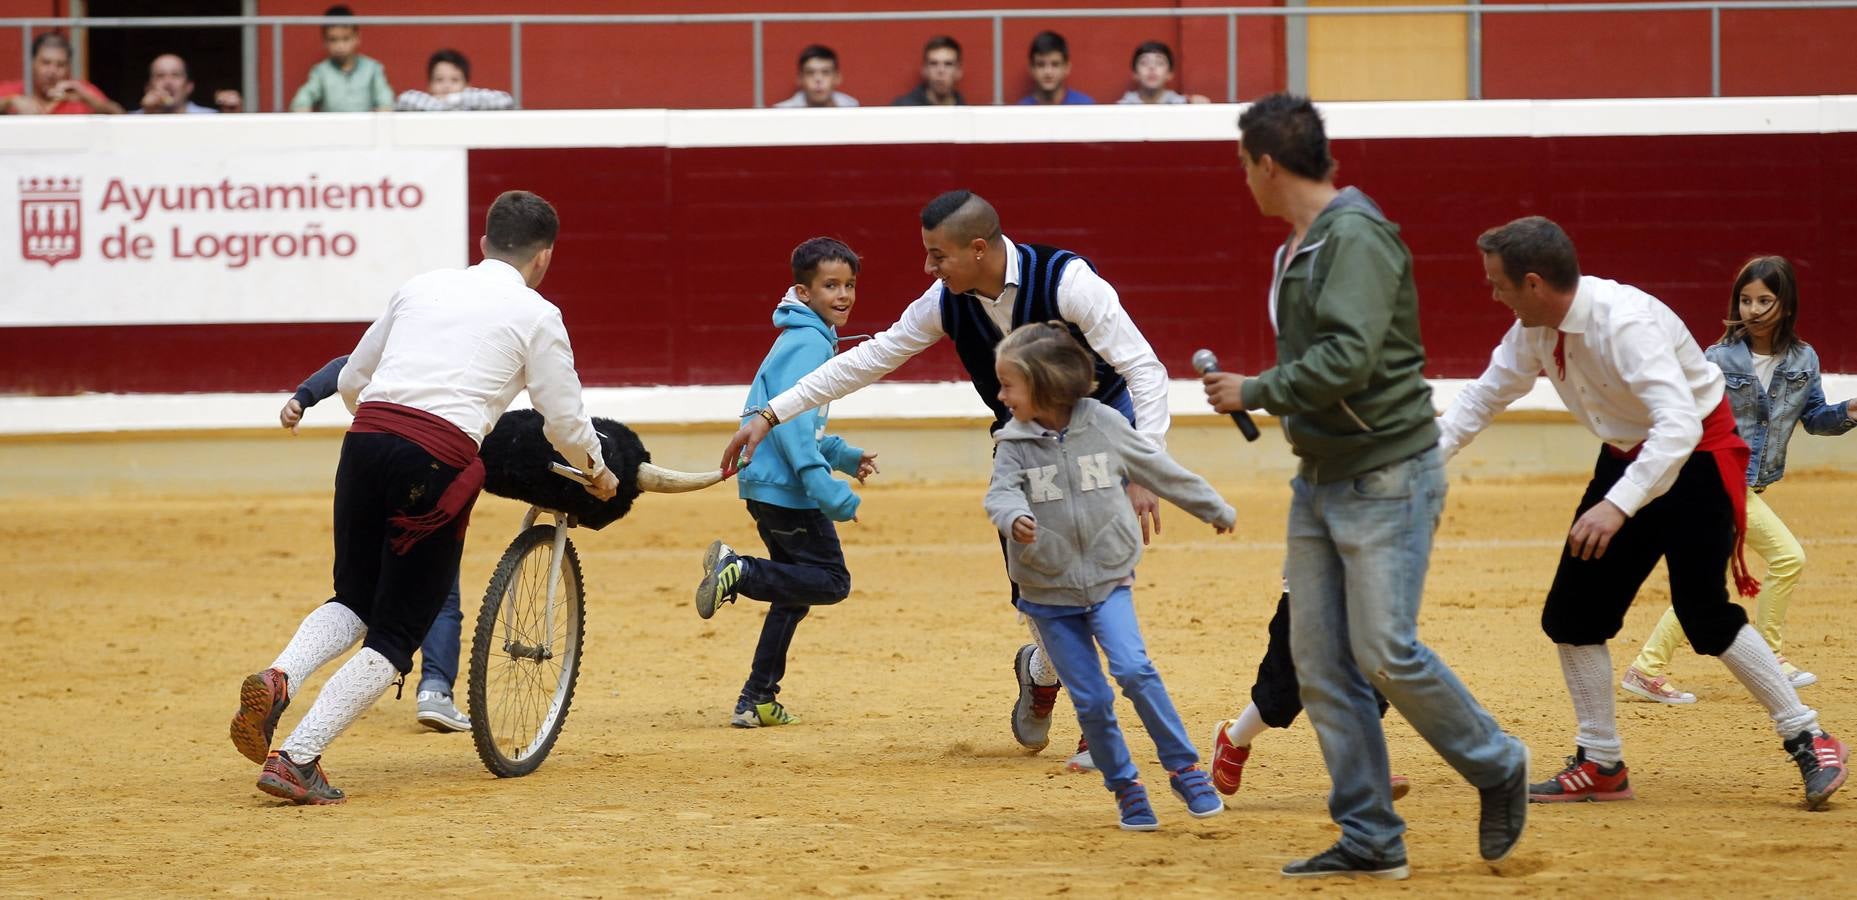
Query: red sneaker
(304, 785)
(1227, 760)
(1401, 786)
(262, 698)
(1081, 761)
(1583, 779)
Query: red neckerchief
(449, 445)
(1720, 440)
(1560, 354)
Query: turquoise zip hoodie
(793, 466)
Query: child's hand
(290, 415)
(867, 466)
(1025, 529)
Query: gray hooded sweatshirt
(1070, 483)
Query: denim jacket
(1766, 418)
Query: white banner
(223, 234)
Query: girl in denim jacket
(1773, 384)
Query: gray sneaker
(437, 712)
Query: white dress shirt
(461, 343)
(1634, 376)
(1084, 299)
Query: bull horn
(658, 479)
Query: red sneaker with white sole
(1583, 779)
(1227, 760)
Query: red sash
(1731, 454)
(449, 445)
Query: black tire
(519, 695)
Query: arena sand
(129, 621)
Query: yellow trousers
(1768, 537)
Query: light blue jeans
(1357, 555)
(1071, 637)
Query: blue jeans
(1358, 550)
(1071, 637)
(804, 567)
(438, 655)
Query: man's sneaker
(1401, 786)
(722, 570)
(1337, 861)
(1658, 689)
(1799, 677)
(1137, 814)
(1821, 763)
(262, 699)
(1583, 779)
(439, 713)
(1504, 813)
(1031, 713)
(1195, 790)
(303, 785)
(1227, 760)
(762, 715)
(1081, 760)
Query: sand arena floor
(130, 620)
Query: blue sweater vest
(974, 334)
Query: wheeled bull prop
(525, 652)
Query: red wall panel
(1652, 54)
(670, 260)
(1776, 52)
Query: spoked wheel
(525, 655)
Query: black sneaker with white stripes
(1821, 763)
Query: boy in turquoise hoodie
(791, 492)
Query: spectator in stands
(818, 81)
(448, 87)
(53, 91)
(1153, 65)
(941, 75)
(1050, 58)
(170, 89)
(346, 81)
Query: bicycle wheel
(523, 663)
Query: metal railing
(1295, 14)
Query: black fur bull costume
(517, 456)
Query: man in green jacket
(1349, 390)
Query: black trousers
(804, 568)
(397, 596)
(1690, 528)
(1276, 691)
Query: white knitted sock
(1588, 670)
(355, 687)
(1247, 727)
(1044, 674)
(1753, 662)
(326, 633)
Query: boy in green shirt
(346, 81)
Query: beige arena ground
(134, 605)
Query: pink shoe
(1658, 689)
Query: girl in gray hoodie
(1057, 492)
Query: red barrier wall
(670, 260)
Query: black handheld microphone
(1203, 362)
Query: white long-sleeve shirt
(461, 343)
(1084, 299)
(1634, 376)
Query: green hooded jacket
(1349, 382)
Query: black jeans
(804, 568)
(396, 596)
(1690, 527)
(1276, 692)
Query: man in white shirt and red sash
(1668, 484)
(426, 382)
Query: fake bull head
(517, 454)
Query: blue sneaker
(1195, 790)
(1137, 814)
(722, 569)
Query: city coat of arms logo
(51, 219)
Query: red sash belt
(449, 445)
(1731, 454)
